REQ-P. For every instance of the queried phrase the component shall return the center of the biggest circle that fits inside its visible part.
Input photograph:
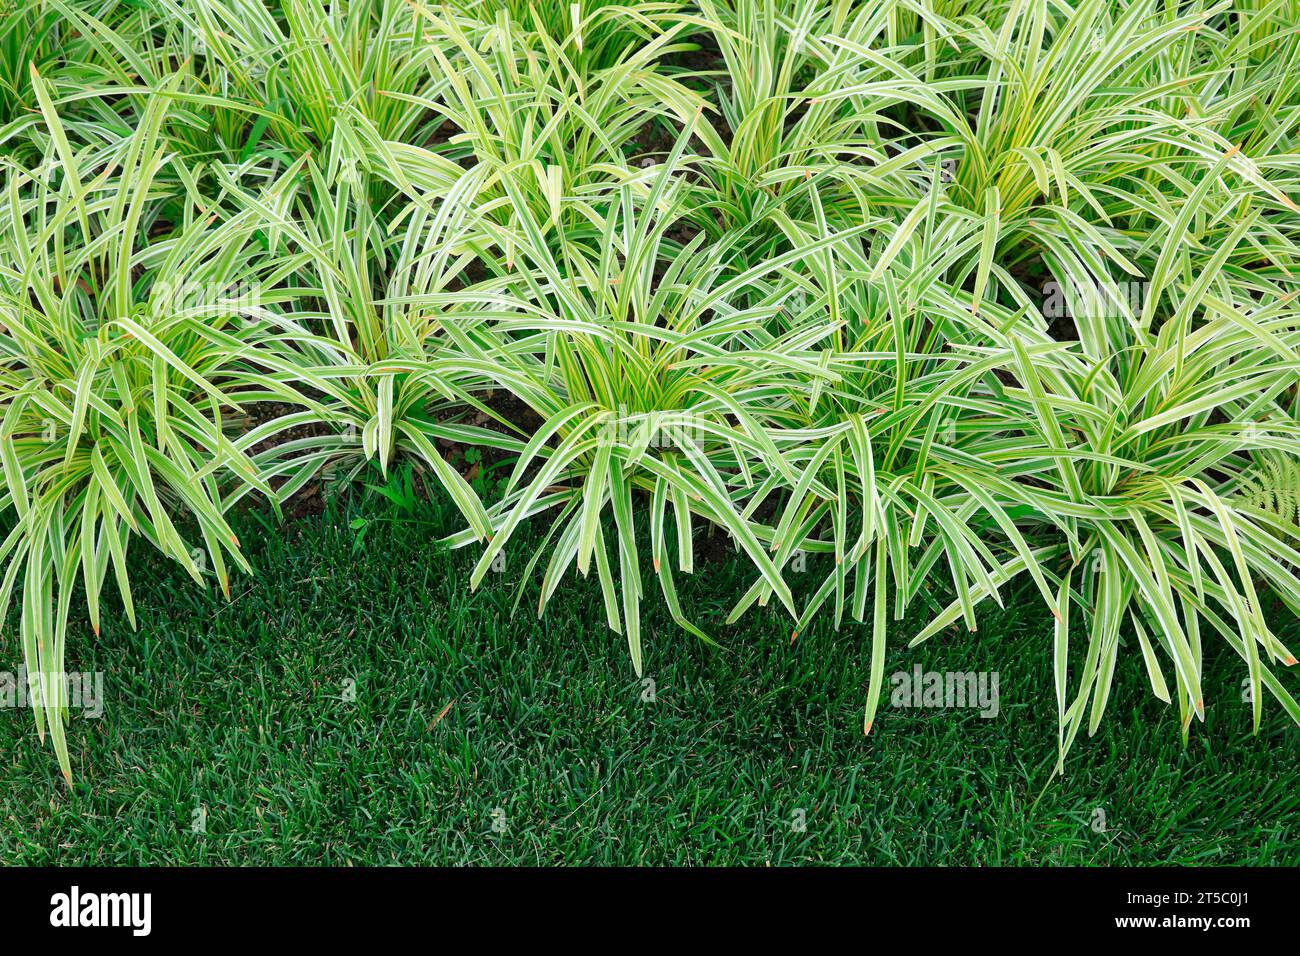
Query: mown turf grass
(240, 709)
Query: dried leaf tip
(442, 713)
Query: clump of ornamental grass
(588, 35)
(519, 108)
(365, 345)
(279, 73)
(899, 443)
(651, 379)
(805, 105)
(127, 350)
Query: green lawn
(239, 709)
